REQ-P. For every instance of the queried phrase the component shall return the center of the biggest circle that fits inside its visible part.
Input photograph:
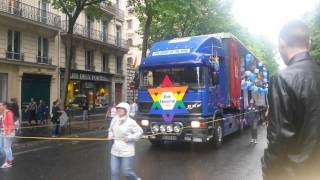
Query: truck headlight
(162, 128)
(169, 129)
(195, 124)
(145, 122)
(155, 128)
(177, 129)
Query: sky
(266, 17)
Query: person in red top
(7, 133)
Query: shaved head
(295, 34)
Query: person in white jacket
(124, 131)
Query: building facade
(32, 53)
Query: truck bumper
(189, 135)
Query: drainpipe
(59, 49)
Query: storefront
(95, 88)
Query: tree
(72, 9)
(181, 18)
(146, 11)
(313, 20)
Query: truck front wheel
(217, 135)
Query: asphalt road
(237, 159)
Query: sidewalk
(75, 127)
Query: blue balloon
(248, 57)
(265, 74)
(252, 76)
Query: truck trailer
(196, 89)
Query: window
(3, 87)
(118, 40)
(89, 24)
(119, 65)
(191, 76)
(104, 31)
(42, 12)
(89, 60)
(130, 42)
(129, 60)
(43, 49)
(129, 24)
(105, 63)
(14, 45)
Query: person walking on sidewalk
(125, 132)
(42, 111)
(111, 113)
(56, 113)
(85, 109)
(252, 117)
(7, 133)
(13, 106)
(32, 110)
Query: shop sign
(88, 77)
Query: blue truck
(195, 89)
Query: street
(60, 160)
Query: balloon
(252, 76)
(249, 83)
(256, 71)
(265, 74)
(260, 64)
(244, 85)
(248, 57)
(248, 73)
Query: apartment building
(32, 53)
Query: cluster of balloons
(256, 80)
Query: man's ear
(281, 42)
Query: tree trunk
(146, 36)
(68, 64)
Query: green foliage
(313, 19)
(72, 8)
(181, 18)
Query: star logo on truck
(168, 100)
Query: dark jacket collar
(300, 57)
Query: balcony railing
(108, 7)
(113, 9)
(44, 60)
(97, 35)
(15, 56)
(26, 11)
(120, 14)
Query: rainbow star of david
(168, 100)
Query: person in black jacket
(293, 134)
(56, 113)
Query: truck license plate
(170, 138)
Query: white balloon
(248, 73)
(256, 71)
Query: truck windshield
(190, 76)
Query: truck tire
(156, 143)
(241, 126)
(217, 136)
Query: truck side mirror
(215, 78)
